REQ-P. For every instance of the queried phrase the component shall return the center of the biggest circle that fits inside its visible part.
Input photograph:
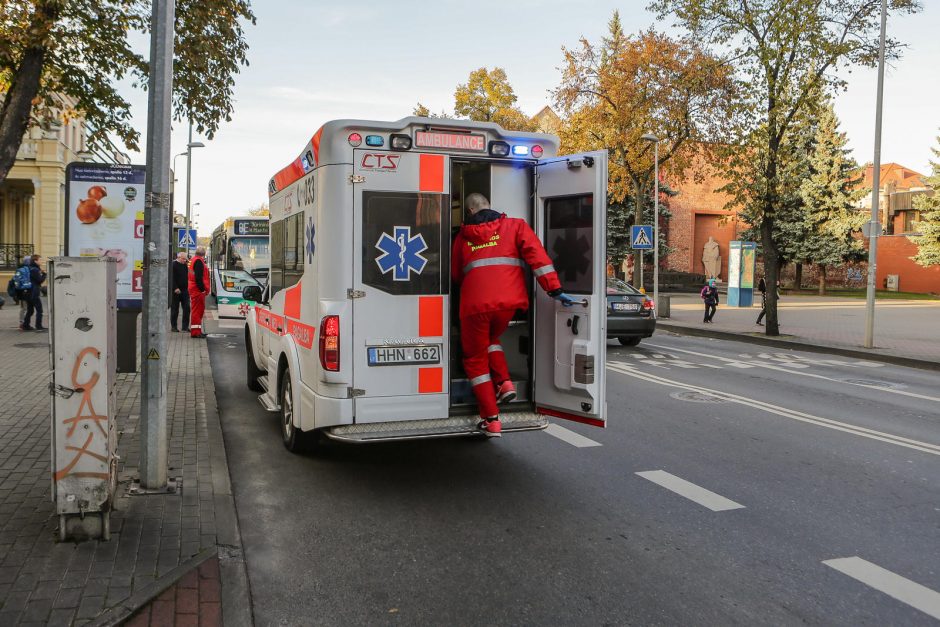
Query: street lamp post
(652, 138)
(189, 171)
(874, 227)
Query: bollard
(662, 307)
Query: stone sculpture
(711, 258)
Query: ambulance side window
(287, 259)
(569, 240)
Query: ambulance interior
(511, 194)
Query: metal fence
(11, 255)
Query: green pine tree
(928, 224)
(828, 194)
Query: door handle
(573, 323)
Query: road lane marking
(697, 494)
(793, 414)
(569, 436)
(904, 590)
(812, 375)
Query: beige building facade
(32, 198)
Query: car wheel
(629, 341)
(252, 371)
(295, 440)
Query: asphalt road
(758, 468)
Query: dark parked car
(630, 314)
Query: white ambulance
(356, 336)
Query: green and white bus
(240, 255)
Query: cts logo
(379, 161)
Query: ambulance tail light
(399, 142)
(499, 149)
(329, 343)
(537, 151)
(355, 140)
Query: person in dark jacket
(198, 290)
(710, 296)
(24, 296)
(489, 255)
(179, 286)
(34, 304)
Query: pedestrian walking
(179, 283)
(710, 296)
(21, 288)
(198, 286)
(489, 255)
(762, 288)
(34, 305)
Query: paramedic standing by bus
(489, 256)
(198, 290)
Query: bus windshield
(251, 254)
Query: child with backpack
(709, 294)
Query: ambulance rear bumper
(435, 428)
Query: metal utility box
(893, 282)
(83, 344)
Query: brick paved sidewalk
(903, 328)
(153, 538)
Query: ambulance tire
(252, 370)
(295, 440)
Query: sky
(312, 61)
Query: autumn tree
(64, 58)
(423, 112)
(928, 226)
(261, 210)
(783, 50)
(487, 96)
(614, 91)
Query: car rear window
(616, 286)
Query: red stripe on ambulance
(431, 173)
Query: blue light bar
(374, 140)
(520, 151)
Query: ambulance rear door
(570, 343)
(401, 274)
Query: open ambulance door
(570, 343)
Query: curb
(233, 574)
(119, 613)
(896, 360)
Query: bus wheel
(295, 440)
(252, 370)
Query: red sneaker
(506, 392)
(491, 427)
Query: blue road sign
(641, 237)
(186, 238)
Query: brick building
(698, 212)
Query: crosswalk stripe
(904, 590)
(569, 436)
(695, 493)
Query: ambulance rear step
(437, 428)
(269, 404)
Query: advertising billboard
(104, 205)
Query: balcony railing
(11, 255)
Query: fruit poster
(105, 218)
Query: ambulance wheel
(629, 341)
(295, 440)
(252, 370)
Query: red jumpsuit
(198, 286)
(488, 262)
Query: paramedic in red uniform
(198, 290)
(488, 261)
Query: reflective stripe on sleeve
(493, 261)
(483, 378)
(492, 348)
(543, 270)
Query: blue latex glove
(565, 300)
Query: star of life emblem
(401, 253)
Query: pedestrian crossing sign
(186, 239)
(641, 237)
